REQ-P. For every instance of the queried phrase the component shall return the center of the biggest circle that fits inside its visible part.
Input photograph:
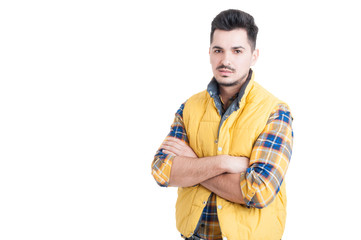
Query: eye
(217, 51)
(237, 51)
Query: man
(229, 146)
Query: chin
(227, 82)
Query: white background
(89, 89)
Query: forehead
(226, 39)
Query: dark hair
(233, 19)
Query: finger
(172, 145)
(176, 141)
(181, 146)
(172, 149)
(169, 152)
(168, 145)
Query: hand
(177, 147)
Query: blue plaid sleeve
(162, 163)
(269, 160)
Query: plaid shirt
(268, 165)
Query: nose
(226, 59)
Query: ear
(209, 52)
(255, 55)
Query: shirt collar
(213, 90)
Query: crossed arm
(219, 174)
(255, 181)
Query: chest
(233, 134)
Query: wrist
(232, 164)
(224, 163)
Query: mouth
(225, 72)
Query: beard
(234, 83)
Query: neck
(228, 92)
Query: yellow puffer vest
(237, 136)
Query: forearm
(187, 171)
(226, 186)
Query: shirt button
(219, 207)
(204, 202)
(219, 149)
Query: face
(231, 57)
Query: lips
(225, 72)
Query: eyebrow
(236, 47)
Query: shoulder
(199, 96)
(258, 94)
(198, 99)
(282, 112)
(192, 102)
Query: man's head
(234, 19)
(232, 51)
